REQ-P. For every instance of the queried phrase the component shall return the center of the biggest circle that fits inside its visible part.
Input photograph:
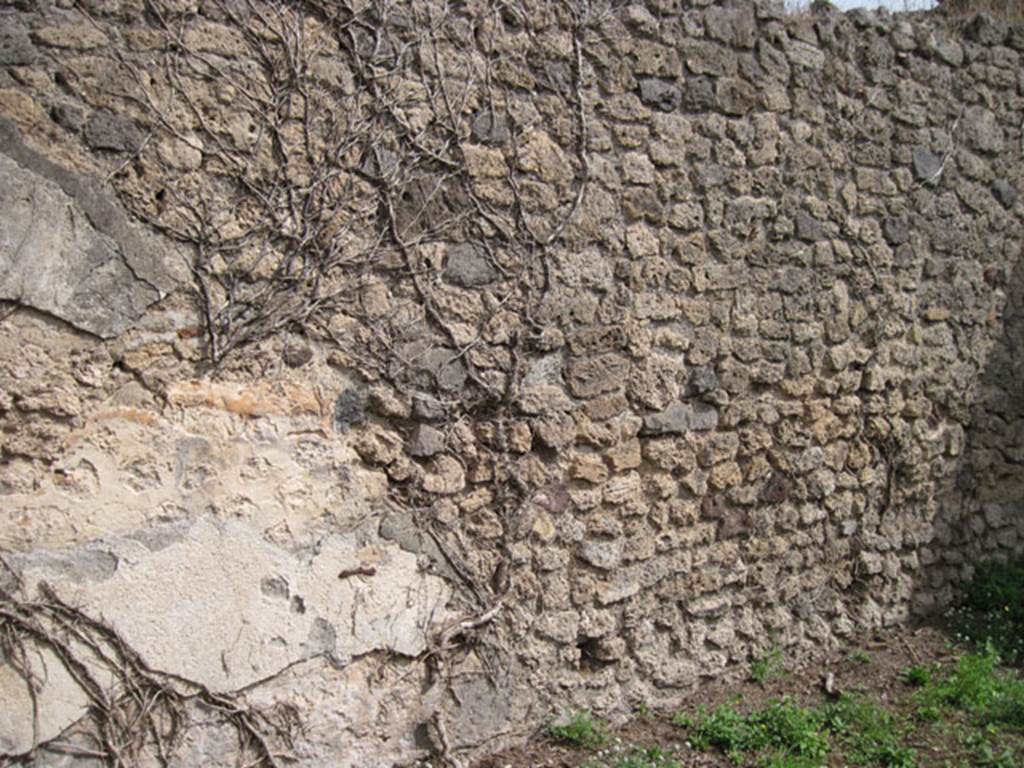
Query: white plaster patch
(217, 604)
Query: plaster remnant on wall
(361, 715)
(207, 607)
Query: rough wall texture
(375, 378)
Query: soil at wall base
(868, 665)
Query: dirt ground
(870, 665)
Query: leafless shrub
(331, 136)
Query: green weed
(581, 729)
(767, 666)
(786, 734)
(861, 656)
(987, 754)
(684, 720)
(978, 686)
(972, 685)
(644, 711)
(870, 734)
(975, 698)
(724, 728)
(915, 676)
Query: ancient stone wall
(378, 378)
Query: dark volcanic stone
(735, 522)
(379, 163)
(702, 380)
(296, 355)
(68, 116)
(680, 418)
(808, 228)
(699, 95)
(469, 267)
(927, 166)
(426, 441)
(490, 127)
(659, 94)
(777, 489)
(987, 30)
(349, 409)
(105, 130)
(1005, 193)
(15, 48)
(427, 407)
(896, 230)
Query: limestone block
(445, 476)
(606, 555)
(78, 36)
(590, 469)
(561, 626)
(704, 58)
(803, 54)
(592, 376)
(541, 156)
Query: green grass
(580, 729)
(991, 697)
(644, 711)
(977, 699)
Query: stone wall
(377, 379)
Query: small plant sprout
(861, 656)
